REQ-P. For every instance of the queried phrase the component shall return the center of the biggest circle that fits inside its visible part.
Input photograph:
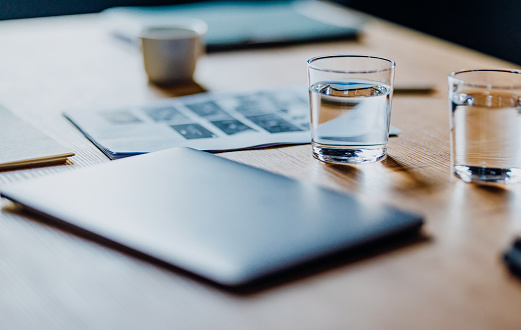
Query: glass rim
(316, 58)
(453, 76)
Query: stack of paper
(213, 121)
(22, 145)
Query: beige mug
(171, 52)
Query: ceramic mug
(170, 52)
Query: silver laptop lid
(227, 222)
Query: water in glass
(350, 120)
(486, 136)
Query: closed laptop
(227, 222)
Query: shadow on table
(413, 181)
(180, 89)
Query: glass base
(349, 154)
(487, 174)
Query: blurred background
(491, 27)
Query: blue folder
(236, 24)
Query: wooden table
(454, 279)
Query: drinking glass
(350, 107)
(485, 125)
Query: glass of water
(350, 105)
(485, 125)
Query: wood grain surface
(451, 279)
